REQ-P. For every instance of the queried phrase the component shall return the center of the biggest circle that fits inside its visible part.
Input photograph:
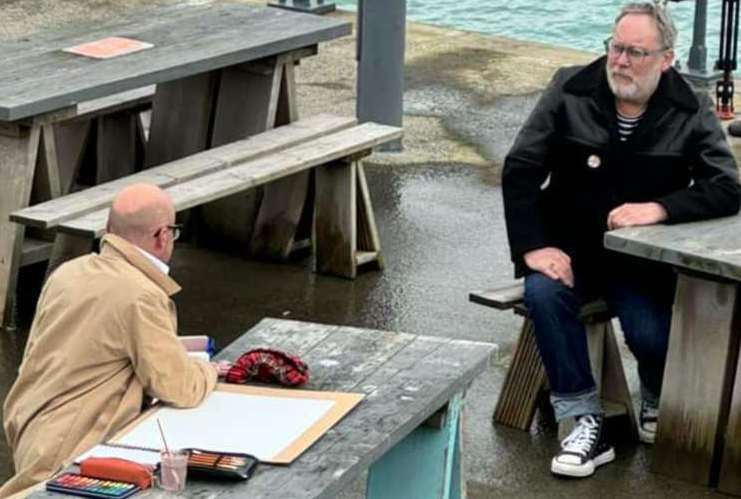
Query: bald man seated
(103, 338)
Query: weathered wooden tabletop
(406, 379)
(711, 247)
(36, 76)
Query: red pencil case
(113, 468)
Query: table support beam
(19, 147)
(181, 118)
(284, 201)
(117, 146)
(427, 463)
(693, 411)
(246, 104)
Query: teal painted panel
(420, 466)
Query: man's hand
(632, 214)
(222, 367)
(552, 262)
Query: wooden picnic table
(406, 433)
(218, 73)
(699, 431)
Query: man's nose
(622, 58)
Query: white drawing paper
(232, 422)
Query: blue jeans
(642, 303)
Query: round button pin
(594, 161)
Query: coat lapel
(113, 245)
(672, 92)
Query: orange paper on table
(105, 48)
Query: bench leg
(427, 463)
(369, 242)
(346, 235)
(18, 152)
(695, 395)
(614, 384)
(524, 381)
(336, 219)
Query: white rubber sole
(647, 437)
(582, 470)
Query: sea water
(580, 24)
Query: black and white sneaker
(583, 450)
(647, 423)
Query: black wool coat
(568, 168)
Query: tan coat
(104, 335)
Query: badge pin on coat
(594, 161)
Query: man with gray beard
(621, 142)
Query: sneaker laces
(583, 436)
(649, 413)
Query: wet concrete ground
(438, 207)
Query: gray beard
(632, 92)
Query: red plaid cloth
(268, 366)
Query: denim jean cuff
(574, 405)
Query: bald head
(138, 212)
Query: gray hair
(664, 23)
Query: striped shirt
(626, 125)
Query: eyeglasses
(174, 228)
(636, 55)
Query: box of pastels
(79, 485)
(220, 465)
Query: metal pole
(698, 51)
(381, 41)
(697, 70)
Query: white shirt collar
(156, 261)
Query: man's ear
(667, 59)
(159, 241)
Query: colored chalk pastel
(73, 483)
(210, 462)
(221, 465)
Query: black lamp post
(697, 72)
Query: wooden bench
(526, 379)
(346, 234)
